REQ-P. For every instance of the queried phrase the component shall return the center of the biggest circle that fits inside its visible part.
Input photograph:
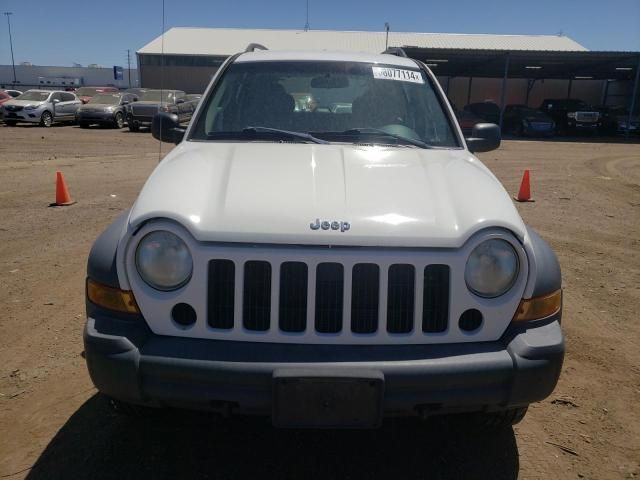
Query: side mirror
(125, 102)
(180, 100)
(166, 128)
(484, 138)
(56, 100)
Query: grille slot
(329, 297)
(256, 298)
(293, 297)
(401, 298)
(365, 297)
(435, 311)
(221, 293)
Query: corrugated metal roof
(226, 41)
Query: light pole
(386, 40)
(13, 63)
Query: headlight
(492, 268)
(31, 107)
(163, 261)
(108, 109)
(571, 115)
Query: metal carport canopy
(531, 64)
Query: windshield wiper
(286, 133)
(378, 131)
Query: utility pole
(13, 63)
(306, 25)
(129, 65)
(386, 41)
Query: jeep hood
(272, 192)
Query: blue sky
(60, 32)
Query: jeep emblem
(330, 225)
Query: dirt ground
(53, 425)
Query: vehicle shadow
(97, 444)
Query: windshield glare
(106, 99)
(329, 100)
(86, 92)
(37, 96)
(155, 96)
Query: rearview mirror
(330, 81)
(166, 128)
(484, 138)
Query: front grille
(13, 108)
(587, 116)
(379, 297)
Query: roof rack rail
(397, 51)
(252, 47)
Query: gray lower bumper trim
(128, 362)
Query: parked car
(623, 123)
(4, 97)
(525, 121)
(41, 106)
(488, 111)
(373, 267)
(150, 102)
(614, 119)
(85, 93)
(105, 109)
(467, 120)
(571, 115)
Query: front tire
(119, 120)
(133, 127)
(46, 119)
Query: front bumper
(31, 116)
(128, 362)
(95, 117)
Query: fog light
(183, 314)
(470, 320)
(539, 307)
(111, 298)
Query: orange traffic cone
(63, 198)
(524, 194)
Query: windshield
(348, 102)
(155, 96)
(106, 99)
(37, 96)
(86, 92)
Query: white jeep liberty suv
(323, 247)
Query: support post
(469, 90)
(504, 87)
(530, 83)
(569, 88)
(605, 93)
(447, 86)
(633, 98)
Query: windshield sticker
(397, 74)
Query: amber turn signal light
(538, 307)
(111, 298)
